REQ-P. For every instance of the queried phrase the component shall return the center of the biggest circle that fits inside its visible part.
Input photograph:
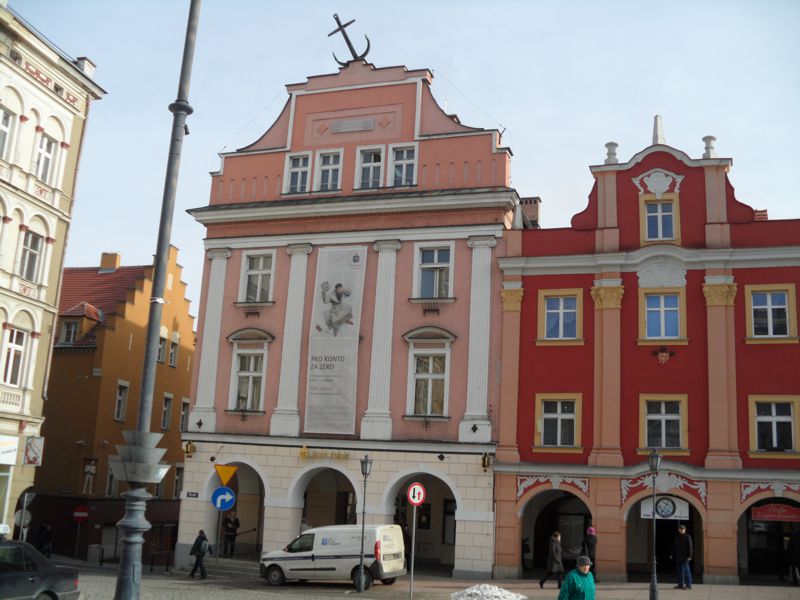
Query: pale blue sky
(563, 78)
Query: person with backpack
(199, 550)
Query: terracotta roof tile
(101, 290)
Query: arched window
(248, 369)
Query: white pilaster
(377, 421)
(475, 427)
(204, 409)
(286, 418)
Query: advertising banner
(333, 341)
(8, 449)
(776, 512)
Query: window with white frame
(248, 369)
(429, 371)
(45, 157)
(121, 403)
(162, 349)
(770, 313)
(173, 354)
(298, 173)
(663, 423)
(178, 483)
(403, 166)
(166, 412)
(111, 483)
(14, 357)
(660, 220)
(561, 317)
(370, 168)
(69, 332)
(184, 416)
(6, 131)
(558, 422)
(328, 164)
(775, 426)
(662, 315)
(434, 271)
(32, 248)
(257, 277)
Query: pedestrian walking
(793, 551)
(230, 525)
(579, 584)
(199, 550)
(589, 548)
(46, 540)
(682, 553)
(554, 564)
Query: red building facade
(665, 317)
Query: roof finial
(658, 131)
(710, 152)
(611, 153)
(341, 27)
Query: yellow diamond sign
(225, 472)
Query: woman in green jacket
(578, 584)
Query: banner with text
(333, 341)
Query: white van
(333, 553)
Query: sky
(560, 78)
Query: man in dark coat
(199, 550)
(793, 552)
(554, 564)
(230, 525)
(682, 553)
(589, 547)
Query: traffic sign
(223, 498)
(80, 514)
(416, 493)
(225, 472)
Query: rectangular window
(45, 156)
(184, 416)
(69, 332)
(111, 484)
(430, 374)
(249, 381)
(660, 222)
(121, 403)
(32, 244)
(173, 354)
(14, 357)
(663, 315)
(770, 314)
(561, 317)
(774, 426)
(166, 412)
(162, 350)
(663, 424)
(258, 277)
(329, 171)
(558, 422)
(298, 173)
(403, 162)
(6, 120)
(370, 167)
(178, 484)
(434, 272)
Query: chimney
(761, 215)
(530, 211)
(85, 65)
(110, 261)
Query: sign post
(79, 515)
(416, 496)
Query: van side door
(300, 562)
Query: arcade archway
(329, 499)
(763, 532)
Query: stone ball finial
(611, 153)
(710, 152)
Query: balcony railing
(10, 399)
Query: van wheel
(388, 580)
(367, 578)
(275, 576)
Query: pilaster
(511, 297)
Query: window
(560, 317)
(121, 403)
(158, 490)
(162, 349)
(434, 272)
(663, 423)
(32, 244)
(166, 412)
(14, 357)
(298, 173)
(660, 219)
(69, 332)
(403, 166)
(6, 130)
(558, 422)
(771, 314)
(429, 371)
(774, 423)
(256, 284)
(184, 416)
(662, 315)
(370, 168)
(249, 377)
(45, 156)
(111, 483)
(328, 164)
(304, 543)
(173, 354)
(178, 484)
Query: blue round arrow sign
(223, 498)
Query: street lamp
(655, 462)
(366, 467)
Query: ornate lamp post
(366, 467)
(138, 462)
(655, 462)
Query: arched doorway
(546, 512)
(329, 499)
(639, 538)
(249, 508)
(763, 531)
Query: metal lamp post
(366, 467)
(655, 462)
(138, 462)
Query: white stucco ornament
(662, 272)
(658, 182)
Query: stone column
(475, 426)
(511, 296)
(204, 409)
(723, 447)
(377, 421)
(607, 295)
(286, 418)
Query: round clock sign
(665, 508)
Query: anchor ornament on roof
(341, 27)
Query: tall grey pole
(138, 462)
(654, 576)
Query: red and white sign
(80, 514)
(776, 512)
(416, 493)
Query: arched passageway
(763, 532)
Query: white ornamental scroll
(333, 341)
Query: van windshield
(304, 543)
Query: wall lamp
(486, 460)
(189, 449)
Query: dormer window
(69, 332)
(370, 168)
(298, 173)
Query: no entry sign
(80, 514)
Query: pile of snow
(486, 592)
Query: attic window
(69, 332)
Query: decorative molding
(749, 488)
(662, 272)
(512, 299)
(607, 297)
(24, 119)
(528, 482)
(719, 294)
(658, 182)
(665, 481)
(298, 249)
(386, 245)
(484, 241)
(218, 253)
